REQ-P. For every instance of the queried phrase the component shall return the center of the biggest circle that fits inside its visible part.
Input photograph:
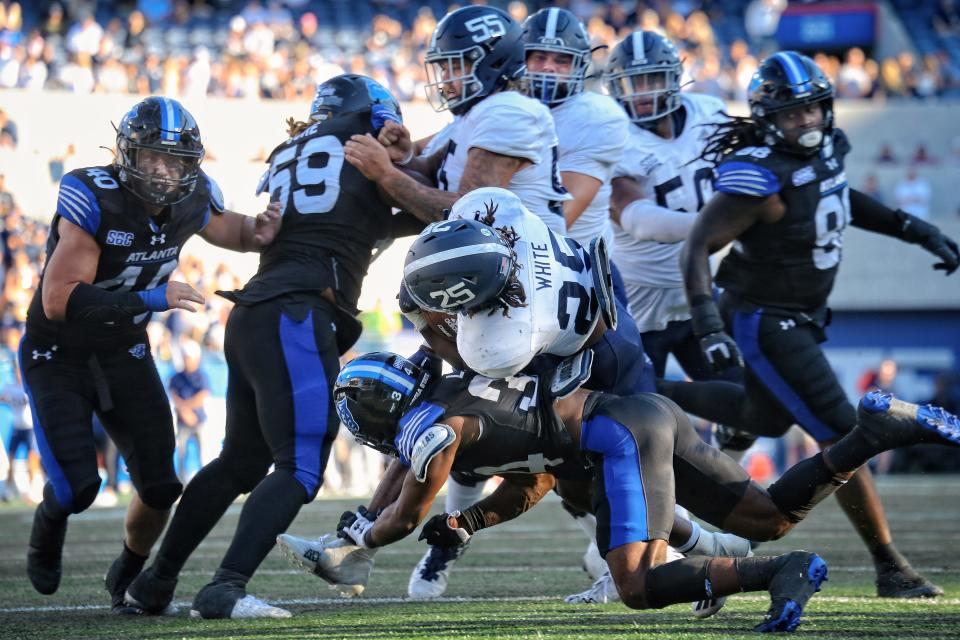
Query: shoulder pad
(428, 444)
(77, 203)
(263, 183)
(744, 173)
(216, 195)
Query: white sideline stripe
(571, 568)
(183, 604)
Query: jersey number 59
(306, 177)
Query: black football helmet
(557, 31)
(163, 126)
(457, 265)
(371, 394)
(785, 80)
(643, 73)
(350, 94)
(478, 46)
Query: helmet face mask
(474, 51)
(643, 74)
(559, 32)
(371, 394)
(159, 151)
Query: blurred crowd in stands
(282, 48)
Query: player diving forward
(640, 453)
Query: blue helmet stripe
(169, 120)
(796, 73)
(372, 369)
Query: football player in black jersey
(783, 197)
(640, 454)
(114, 241)
(291, 323)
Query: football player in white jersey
(591, 127)
(502, 138)
(658, 187)
(524, 296)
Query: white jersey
(557, 277)
(513, 125)
(674, 178)
(440, 138)
(592, 129)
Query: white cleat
(593, 564)
(345, 566)
(430, 576)
(706, 608)
(602, 591)
(250, 607)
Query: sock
(50, 506)
(460, 496)
(588, 522)
(267, 513)
(683, 580)
(226, 575)
(204, 501)
(887, 557)
(804, 486)
(756, 573)
(692, 540)
(852, 451)
(131, 558)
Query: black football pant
(279, 412)
(66, 386)
(787, 378)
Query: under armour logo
(788, 324)
(46, 355)
(138, 351)
(160, 239)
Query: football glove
(719, 349)
(437, 532)
(933, 240)
(354, 525)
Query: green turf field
(510, 584)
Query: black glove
(437, 532)
(719, 349)
(932, 239)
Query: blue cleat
(792, 586)
(893, 423)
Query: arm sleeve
(746, 179)
(512, 130)
(644, 220)
(868, 214)
(77, 203)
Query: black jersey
(137, 251)
(792, 262)
(332, 217)
(519, 431)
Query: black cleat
(905, 582)
(892, 423)
(119, 576)
(230, 600)
(792, 586)
(45, 554)
(149, 594)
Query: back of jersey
(520, 433)
(332, 217)
(561, 305)
(512, 124)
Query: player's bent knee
(84, 496)
(161, 496)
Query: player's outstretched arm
(644, 219)
(238, 232)
(870, 215)
(583, 188)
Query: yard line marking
(182, 604)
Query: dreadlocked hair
(513, 295)
(735, 133)
(296, 126)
